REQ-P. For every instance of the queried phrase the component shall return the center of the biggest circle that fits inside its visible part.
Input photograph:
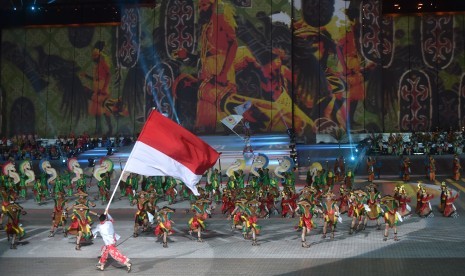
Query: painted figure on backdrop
(101, 104)
(217, 53)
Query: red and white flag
(165, 148)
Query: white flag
(231, 121)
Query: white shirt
(106, 230)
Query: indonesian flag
(165, 148)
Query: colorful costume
(197, 222)
(164, 227)
(331, 214)
(449, 208)
(59, 214)
(13, 228)
(306, 224)
(391, 216)
(141, 218)
(456, 167)
(80, 225)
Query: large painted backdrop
(315, 66)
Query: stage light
(33, 8)
(352, 158)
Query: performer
(375, 211)
(331, 214)
(237, 216)
(343, 200)
(442, 202)
(288, 203)
(106, 230)
(425, 206)
(13, 226)
(141, 217)
(197, 222)
(391, 217)
(164, 227)
(400, 194)
(449, 208)
(251, 218)
(357, 210)
(227, 202)
(406, 171)
(456, 168)
(371, 169)
(59, 214)
(40, 191)
(80, 224)
(306, 224)
(349, 179)
(432, 169)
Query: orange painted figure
(218, 50)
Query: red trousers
(114, 253)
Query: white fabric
(143, 158)
(107, 231)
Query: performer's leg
(386, 229)
(304, 233)
(395, 233)
(199, 235)
(352, 226)
(254, 237)
(13, 242)
(78, 240)
(325, 225)
(165, 242)
(103, 258)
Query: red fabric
(178, 143)
(114, 253)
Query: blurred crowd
(31, 147)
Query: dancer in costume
(371, 168)
(197, 223)
(343, 200)
(80, 226)
(142, 201)
(374, 211)
(251, 218)
(164, 227)
(400, 194)
(103, 176)
(27, 177)
(59, 214)
(432, 169)
(391, 216)
(107, 231)
(237, 216)
(357, 210)
(442, 201)
(425, 209)
(13, 228)
(449, 208)
(331, 214)
(306, 210)
(406, 170)
(456, 168)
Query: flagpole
(119, 180)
